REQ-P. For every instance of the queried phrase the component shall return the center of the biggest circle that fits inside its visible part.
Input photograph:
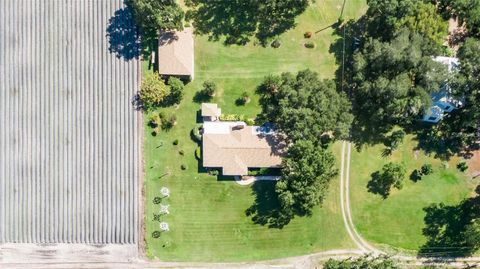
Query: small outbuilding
(210, 112)
(176, 54)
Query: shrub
(213, 172)
(340, 21)
(462, 166)
(244, 99)
(169, 122)
(184, 167)
(156, 131)
(198, 153)
(209, 88)
(309, 45)
(157, 217)
(427, 169)
(181, 152)
(276, 44)
(153, 90)
(157, 200)
(155, 120)
(232, 117)
(250, 121)
(176, 90)
(156, 234)
(196, 135)
(416, 175)
(175, 142)
(307, 34)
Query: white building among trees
(443, 101)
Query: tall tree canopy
(303, 107)
(153, 91)
(384, 18)
(424, 19)
(460, 128)
(452, 230)
(468, 11)
(239, 20)
(306, 174)
(393, 81)
(153, 16)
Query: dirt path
(117, 256)
(364, 246)
(345, 202)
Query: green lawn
(207, 216)
(397, 221)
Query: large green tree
(392, 83)
(460, 129)
(306, 174)
(392, 175)
(424, 19)
(154, 16)
(468, 11)
(384, 18)
(238, 20)
(153, 91)
(452, 230)
(303, 107)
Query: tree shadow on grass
(266, 209)
(238, 20)
(443, 142)
(123, 37)
(446, 229)
(377, 185)
(201, 97)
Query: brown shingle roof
(176, 53)
(240, 149)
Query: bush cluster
(157, 200)
(462, 166)
(309, 45)
(425, 170)
(196, 133)
(198, 153)
(242, 100)
(276, 44)
(213, 172)
(156, 234)
(209, 88)
(161, 121)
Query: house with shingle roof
(176, 54)
(235, 147)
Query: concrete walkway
(250, 179)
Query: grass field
(207, 216)
(397, 221)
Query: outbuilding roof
(176, 53)
(211, 110)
